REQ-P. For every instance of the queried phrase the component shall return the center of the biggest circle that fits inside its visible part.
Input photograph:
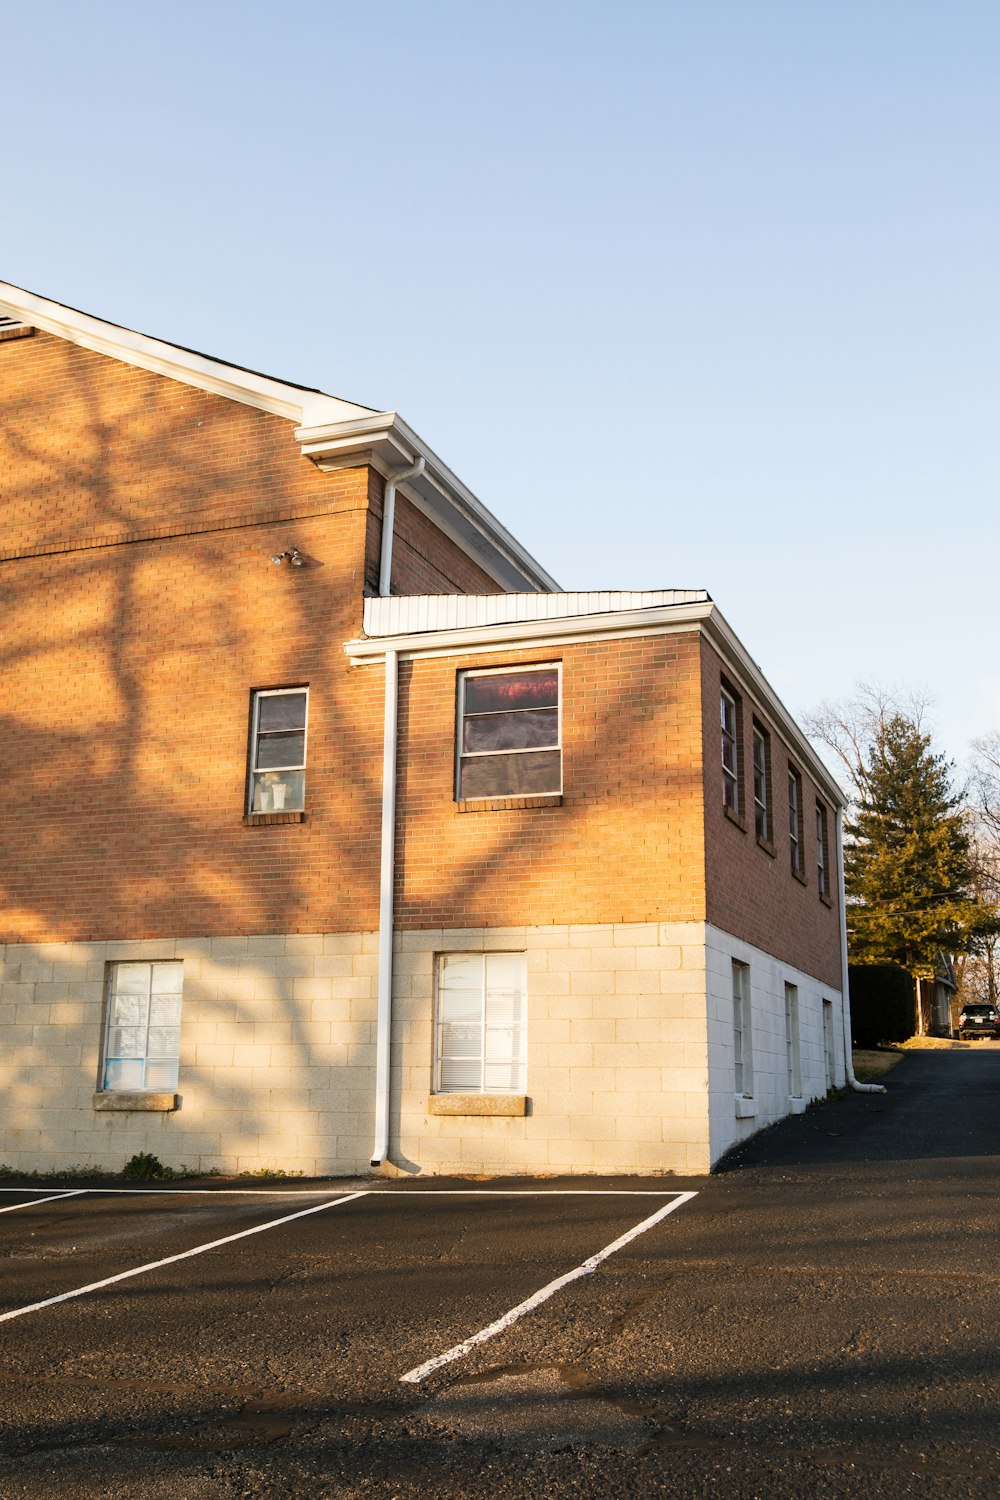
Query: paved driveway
(819, 1319)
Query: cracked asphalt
(822, 1320)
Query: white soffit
(293, 402)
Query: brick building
(335, 834)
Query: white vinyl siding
(143, 1035)
(482, 1016)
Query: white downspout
(845, 1004)
(388, 524)
(385, 912)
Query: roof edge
(295, 403)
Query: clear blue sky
(690, 294)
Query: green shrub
(145, 1164)
(882, 1004)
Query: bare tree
(850, 730)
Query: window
(762, 782)
(278, 750)
(730, 707)
(742, 1039)
(795, 820)
(829, 1047)
(822, 853)
(481, 1023)
(142, 1043)
(793, 1053)
(509, 733)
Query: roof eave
(388, 443)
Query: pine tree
(909, 864)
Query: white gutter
(860, 1088)
(385, 913)
(389, 520)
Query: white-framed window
(278, 750)
(730, 715)
(509, 732)
(481, 1044)
(762, 781)
(142, 1037)
(742, 1029)
(795, 819)
(829, 1046)
(822, 852)
(793, 1050)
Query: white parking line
(169, 1260)
(34, 1202)
(413, 1377)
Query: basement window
(509, 733)
(143, 1037)
(482, 1019)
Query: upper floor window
(795, 820)
(143, 1037)
(762, 781)
(278, 750)
(509, 733)
(822, 852)
(730, 712)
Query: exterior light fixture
(292, 555)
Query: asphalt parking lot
(821, 1318)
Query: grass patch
(872, 1066)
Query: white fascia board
(749, 677)
(196, 370)
(384, 439)
(666, 620)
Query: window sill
(826, 900)
(124, 1101)
(746, 1108)
(500, 804)
(266, 820)
(798, 875)
(735, 817)
(766, 845)
(477, 1104)
(796, 1104)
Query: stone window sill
(766, 845)
(267, 820)
(122, 1101)
(500, 804)
(746, 1108)
(796, 1104)
(735, 817)
(825, 899)
(477, 1104)
(799, 876)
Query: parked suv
(978, 1020)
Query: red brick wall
(424, 560)
(127, 668)
(752, 892)
(626, 843)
